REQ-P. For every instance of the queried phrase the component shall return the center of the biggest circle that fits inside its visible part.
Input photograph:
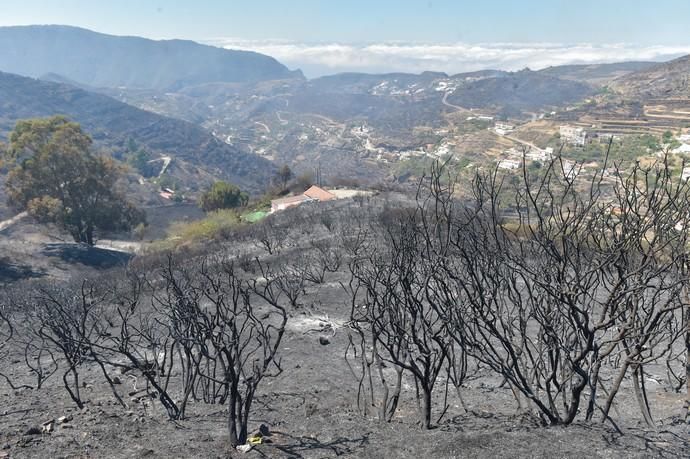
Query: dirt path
(521, 142)
(268, 129)
(11, 221)
(119, 246)
(166, 162)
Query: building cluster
(513, 159)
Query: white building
(574, 135)
(503, 128)
(509, 164)
(539, 155)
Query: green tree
(222, 195)
(669, 141)
(139, 160)
(667, 137)
(55, 175)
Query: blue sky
(298, 31)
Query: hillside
(101, 60)
(666, 80)
(520, 91)
(598, 74)
(112, 124)
(312, 408)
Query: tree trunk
(426, 407)
(593, 386)
(89, 235)
(687, 362)
(74, 395)
(232, 420)
(640, 396)
(614, 390)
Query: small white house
(503, 128)
(509, 164)
(573, 134)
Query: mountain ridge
(102, 60)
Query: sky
(330, 36)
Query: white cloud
(327, 58)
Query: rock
(263, 430)
(64, 419)
(48, 426)
(33, 430)
(324, 341)
(309, 409)
(116, 380)
(244, 448)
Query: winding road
(445, 102)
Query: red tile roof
(319, 193)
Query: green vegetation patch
(254, 217)
(213, 226)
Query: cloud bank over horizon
(317, 59)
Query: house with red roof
(314, 193)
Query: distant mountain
(112, 124)
(100, 60)
(666, 80)
(600, 74)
